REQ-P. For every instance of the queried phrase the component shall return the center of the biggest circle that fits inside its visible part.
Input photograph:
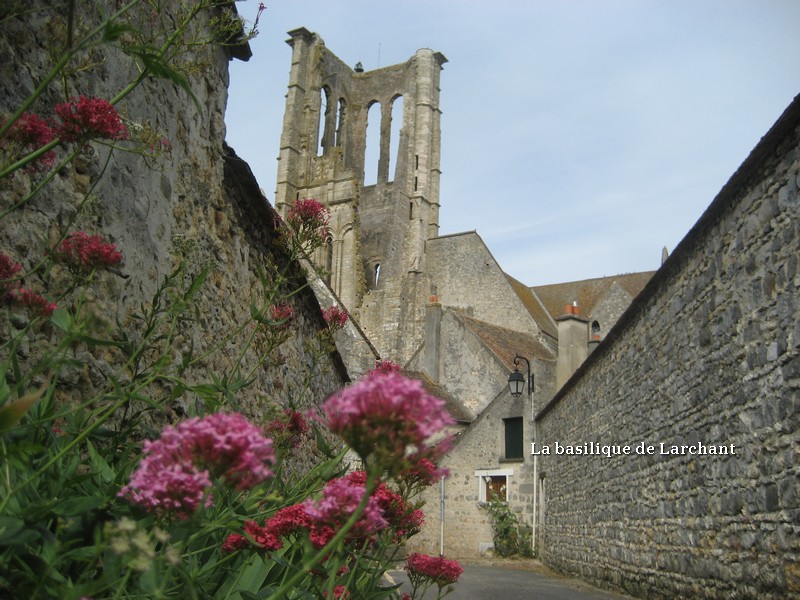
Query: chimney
(573, 334)
(433, 328)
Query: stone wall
(707, 357)
(194, 203)
(467, 276)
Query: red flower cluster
(307, 213)
(84, 117)
(403, 520)
(288, 432)
(82, 252)
(307, 221)
(335, 317)
(437, 569)
(282, 314)
(321, 519)
(12, 293)
(31, 132)
(384, 367)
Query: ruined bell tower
(374, 258)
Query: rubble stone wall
(701, 380)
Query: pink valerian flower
(384, 367)
(163, 483)
(282, 314)
(262, 538)
(84, 118)
(383, 416)
(29, 299)
(335, 317)
(340, 592)
(175, 474)
(321, 519)
(30, 132)
(340, 498)
(306, 221)
(234, 542)
(422, 472)
(307, 213)
(402, 519)
(13, 294)
(287, 432)
(82, 252)
(8, 271)
(436, 569)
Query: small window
(493, 484)
(595, 328)
(377, 275)
(410, 210)
(496, 488)
(513, 437)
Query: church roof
(534, 306)
(506, 343)
(458, 411)
(588, 291)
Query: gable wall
(467, 276)
(709, 354)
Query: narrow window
(394, 136)
(415, 184)
(416, 162)
(340, 114)
(377, 274)
(322, 137)
(513, 437)
(373, 150)
(328, 259)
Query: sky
(579, 137)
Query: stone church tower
(374, 259)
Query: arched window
(372, 152)
(595, 329)
(377, 274)
(394, 135)
(340, 115)
(322, 133)
(328, 259)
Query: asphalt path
(517, 581)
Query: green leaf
(61, 319)
(12, 412)
(9, 528)
(114, 30)
(196, 283)
(154, 63)
(100, 465)
(78, 505)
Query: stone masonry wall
(707, 357)
(196, 203)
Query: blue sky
(579, 137)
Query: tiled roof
(588, 291)
(454, 407)
(534, 306)
(506, 343)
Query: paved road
(492, 582)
